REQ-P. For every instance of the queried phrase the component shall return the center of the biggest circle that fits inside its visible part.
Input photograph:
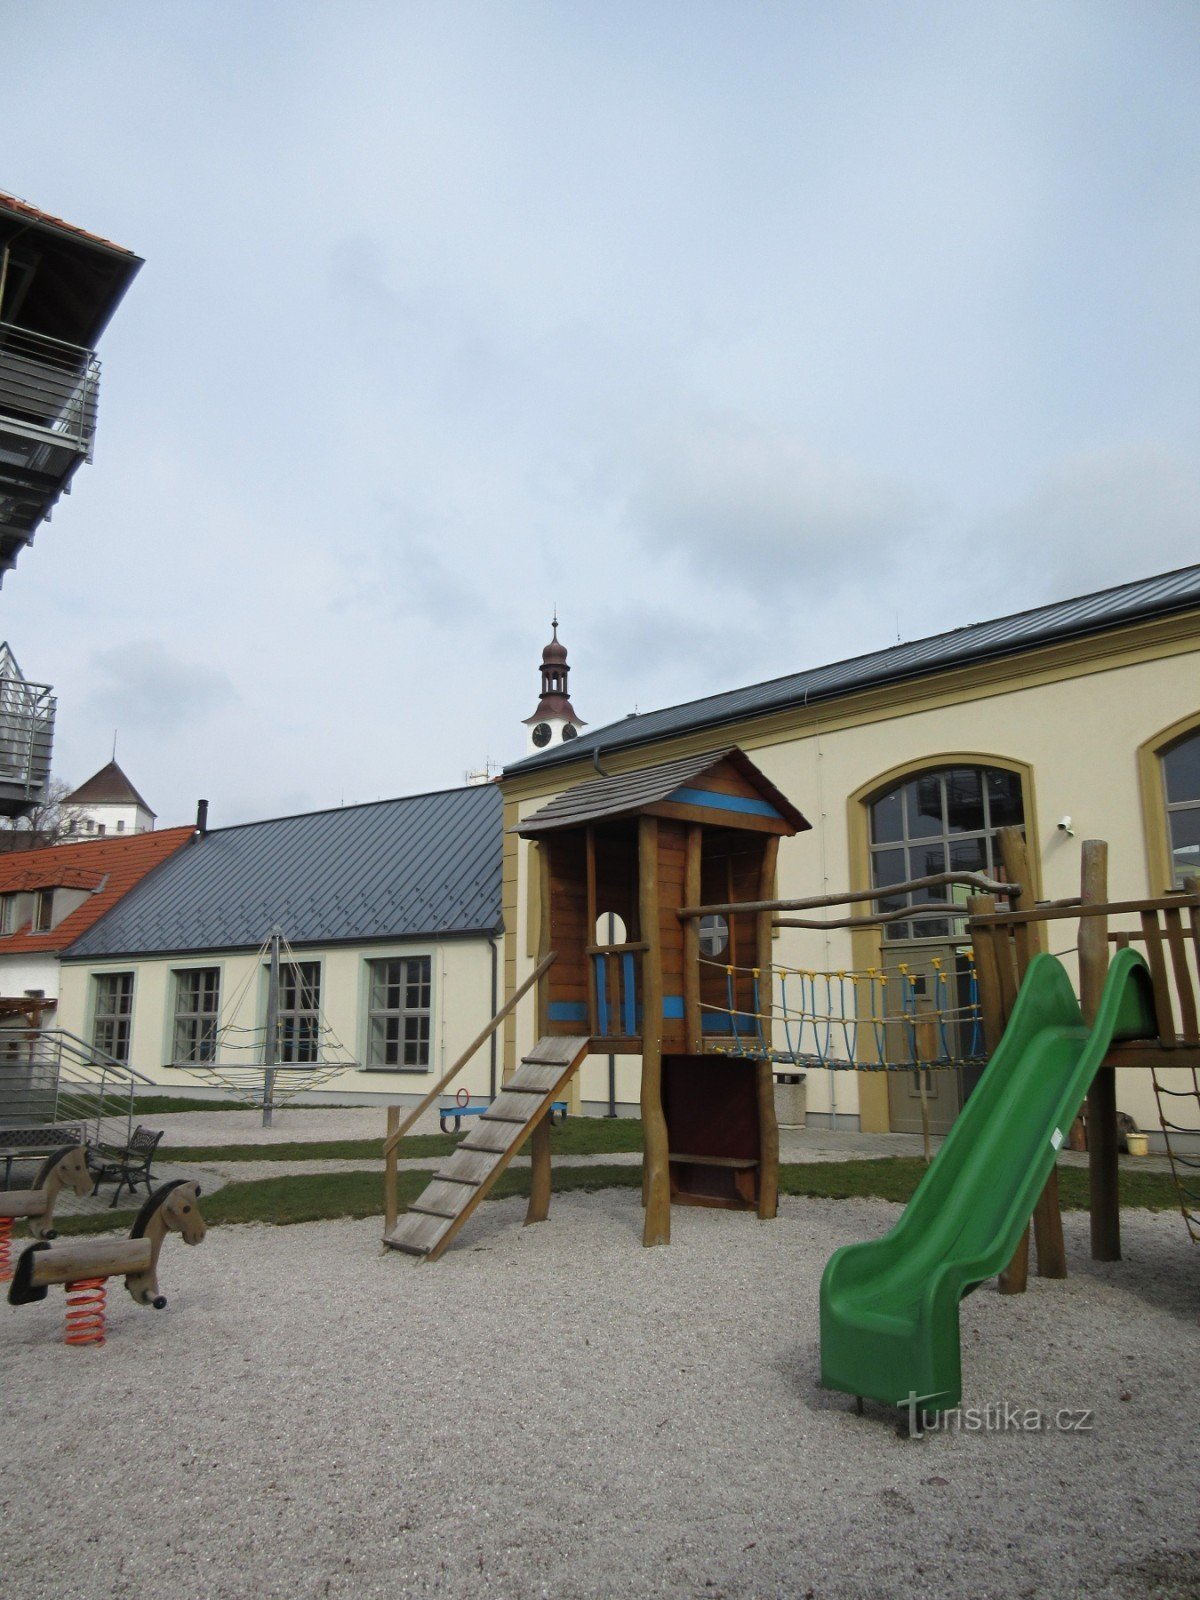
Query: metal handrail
(48, 388)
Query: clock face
(541, 734)
(570, 731)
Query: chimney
(202, 817)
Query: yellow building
(1076, 720)
(391, 913)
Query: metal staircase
(50, 1076)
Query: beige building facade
(1084, 715)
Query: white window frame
(115, 1019)
(402, 1014)
(180, 976)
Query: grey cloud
(763, 510)
(1101, 518)
(142, 685)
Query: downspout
(492, 945)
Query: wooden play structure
(85, 1265)
(1166, 930)
(889, 1305)
(680, 860)
(639, 852)
(66, 1168)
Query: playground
(556, 1410)
(860, 1399)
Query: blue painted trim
(722, 1022)
(601, 996)
(568, 1011)
(673, 1007)
(630, 997)
(712, 801)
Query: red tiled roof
(22, 208)
(114, 862)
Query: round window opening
(714, 936)
(610, 928)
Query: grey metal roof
(982, 641)
(420, 867)
(622, 795)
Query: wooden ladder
(434, 1219)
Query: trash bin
(791, 1099)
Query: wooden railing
(614, 990)
(396, 1128)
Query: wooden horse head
(66, 1168)
(171, 1209)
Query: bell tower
(555, 720)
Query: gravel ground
(556, 1411)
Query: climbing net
(1185, 1169)
(313, 1053)
(865, 1021)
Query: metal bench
(34, 1143)
(128, 1164)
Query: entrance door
(941, 820)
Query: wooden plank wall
(672, 844)
(566, 860)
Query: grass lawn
(360, 1194)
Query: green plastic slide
(889, 1307)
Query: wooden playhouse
(622, 971)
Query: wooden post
(545, 903)
(591, 918)
(1015, 1277)
(987, 971)
(1047, 1215)
(656, 1168)
(693, 1023)
(1102, 1096)
(1048, 1233)
(768, 1122)
(540, 1185)
(391, 1204)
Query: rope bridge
(845, 1021)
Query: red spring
(5, 1249)
(85, 1311)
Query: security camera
(1065, 827)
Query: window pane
(924, 797)
(887, 819)
(964, 800)
(1181, 768)
(1004, 799)
(968, 855)
(887, 866)
(399, 1029)
(1185, 843)
(923, 861)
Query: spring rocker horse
(65, 1168)
(85, 1266)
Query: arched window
(940, 820)
(1181, 784)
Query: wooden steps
(435, 1217)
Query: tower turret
(554, 720)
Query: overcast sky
(750, 335)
